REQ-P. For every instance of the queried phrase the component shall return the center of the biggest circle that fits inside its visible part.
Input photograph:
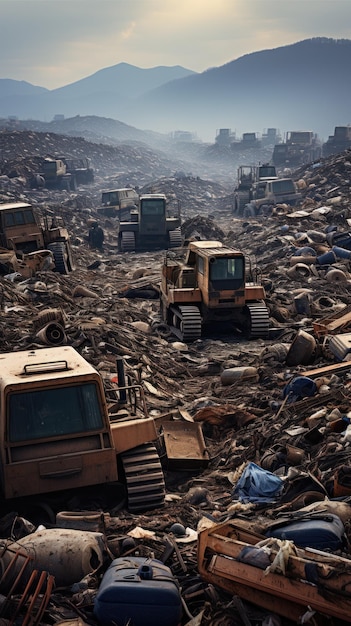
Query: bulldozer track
(259, 320)
(144, 478)
(187, 323)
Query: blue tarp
(257, 485)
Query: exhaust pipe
(121, 380)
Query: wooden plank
(333, 573)
(219, 547)
(335, 368)
(293, 591)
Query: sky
(52, 43)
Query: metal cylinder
(52, 334)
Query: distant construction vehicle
(250, 180)
(153, 224)
(272, 192)
(340, 141)
(212, 287)
(80, 169)
(117, 203)
(63, 173)
(248, 141)
(24, 231)
(300, 147)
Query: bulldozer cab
(246, 176)
(56, 432)
(152, 213)
(217, 267)
(19, 228)
(227, 273)
(118, 202)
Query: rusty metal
(36, 594)
(289, 594)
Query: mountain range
(302, 86)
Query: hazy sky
(51, 43)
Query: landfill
(274, 413)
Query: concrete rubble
(282, 404)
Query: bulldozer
(153, 224)
(300, 147)
(338, 142)
(67, 431)
(27, 234)
(251, 179)
(63, 172)
(208, 289)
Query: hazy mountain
(13, 88)
(306, 85)
(303, 86)
(105, 93)
(122, 80)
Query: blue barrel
(341, 253)
(327, 258)
(139, 591)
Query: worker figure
(96, 236)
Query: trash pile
(260, 533)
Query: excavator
(209, 288)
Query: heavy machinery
(118, 203)
(271, 192)
(80, 169)
(246, 177)
(153, 224)
(61, 172)
(209, 288)
(251, 180)
(55, 175)
(340, 141)
(63, 429)
(248, 141)
(300, 147)
(24, 231)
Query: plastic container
(327, 258)
(302, 349)
(341, 253)
(139, 592)
(302, 304)
(235, 374)
(340, 345)
(320, 532)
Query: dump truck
(66, 432)
(118, 203)
(154, 224)
(299, 148)
(24, 231)
(210, 288)
(338, 142)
